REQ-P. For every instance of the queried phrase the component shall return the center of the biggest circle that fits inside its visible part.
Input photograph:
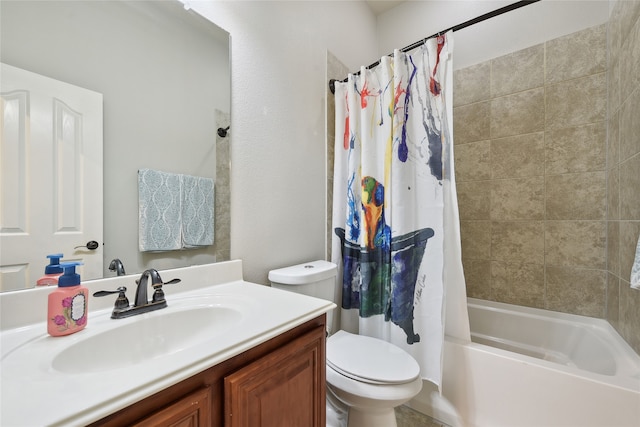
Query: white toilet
(368, 375)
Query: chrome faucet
(141, 304)
(117, 266)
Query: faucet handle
(158, 294)
(121, 302)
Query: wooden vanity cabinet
(278, 383)
(190, 411)
(279, 389)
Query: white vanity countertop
(35, 393)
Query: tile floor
(407, 417)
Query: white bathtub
(531, 367)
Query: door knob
(92, 245)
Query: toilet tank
(315, 279)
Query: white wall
(278, 62)
(515, 30)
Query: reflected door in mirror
(51, 176)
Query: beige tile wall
(222, 204)
(530, 134)
(623, 168)
(548, 170)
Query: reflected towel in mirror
(197, 211)
(175, 211)
(159, 210)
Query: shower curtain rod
(465, 24)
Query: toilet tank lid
(303, 274)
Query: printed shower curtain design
(391, 128)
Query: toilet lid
(370, 360)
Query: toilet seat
(370, 360)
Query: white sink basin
(146, 338)
(109, 344)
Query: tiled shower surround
(530, 134)
(623, 168)
(549, 205)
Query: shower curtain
(393, 176)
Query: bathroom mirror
(164, 74)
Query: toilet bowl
(369, 376)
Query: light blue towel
(635, 270)
(160, 214)
(197, 211)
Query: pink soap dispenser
(51, 271)
(67, 311)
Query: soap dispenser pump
(51, 271)
(67, 311)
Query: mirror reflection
(164, 77)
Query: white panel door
(50, 176)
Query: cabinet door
(284, 388)
(190, 411)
